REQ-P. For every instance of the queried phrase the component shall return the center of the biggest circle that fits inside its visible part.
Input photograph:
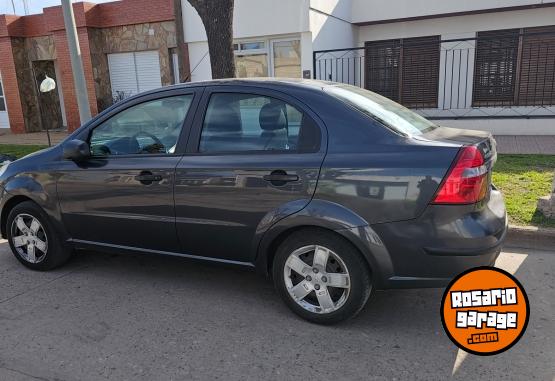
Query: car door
(253, 157)
(123, 195)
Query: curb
(531, 237)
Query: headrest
(272, 117)
(226, 119)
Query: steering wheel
(157, 147)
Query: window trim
(193, 143)
(85, 133)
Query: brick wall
(11, 89)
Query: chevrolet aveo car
(331, 190)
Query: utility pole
(76, 62)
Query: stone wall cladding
(129, 38)
(101, 74)
(26, 84)
(40, 48)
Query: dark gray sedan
(332, 190)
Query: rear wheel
(32, 238)
(321, 276)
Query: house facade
(487, 65)
(127, 47)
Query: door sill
(91, 245)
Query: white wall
(199, 61)
(330, 24)
(253, 18)
(451, 27)
(377, 10)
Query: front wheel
(321, 276)
(32, 238)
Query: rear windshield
(389, 113)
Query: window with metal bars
(405, 70)
(536, 84)
(515, 67)
(495, 68)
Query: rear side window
(237, 122)
(398, 118)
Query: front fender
(331, 216)
(39, 188)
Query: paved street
(154, 318)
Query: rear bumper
(445, 241)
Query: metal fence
(503, 76)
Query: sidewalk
(512, 144)
(524, 144)
(34, 138)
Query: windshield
(393, 115)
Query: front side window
(148, 128)
(236, 122)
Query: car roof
(277, 83)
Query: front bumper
(445, 241)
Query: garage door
(4, 121)
(132, 73)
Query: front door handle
(280, 178)
(146, 178)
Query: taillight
(466, 182)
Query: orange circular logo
(485, 311)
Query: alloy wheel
(29, 238)
(317, 279)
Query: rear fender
(334, 217)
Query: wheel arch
(336, 220)
(41, 191)
(7, 208)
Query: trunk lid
(483, 140)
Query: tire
(344, 260)
(48, 250)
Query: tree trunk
(217, 17)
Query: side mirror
(77, 150)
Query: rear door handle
(280, 177)
(146, 177)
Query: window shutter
(382, 67)
(495, 69)
(537, 68)
(420, 66)
(405, 70)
